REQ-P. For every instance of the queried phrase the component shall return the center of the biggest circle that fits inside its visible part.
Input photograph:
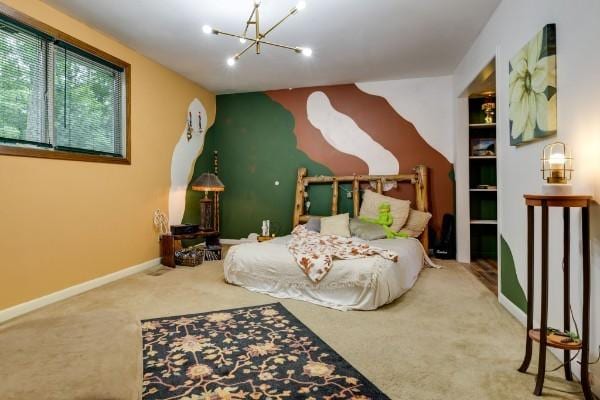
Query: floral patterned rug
(261, 352)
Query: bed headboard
(418, 178)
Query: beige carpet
(446, 338)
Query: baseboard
(23, 308)
(513, 309)
(233, 241)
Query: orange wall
(66, 222)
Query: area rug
(261, 352)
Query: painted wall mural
(262, 139)
(257, 149)
(184, 156)
(375, 117)
(342, 133)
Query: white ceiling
(352, 40)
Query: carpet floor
(448, 337)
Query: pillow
(366, 230)
(313, 224)
(398, 208)
(416, 223)
(336, 225)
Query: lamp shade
(208, 182)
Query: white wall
(512, 25)
(426, 103)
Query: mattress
(359, 284)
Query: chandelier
(259, 38)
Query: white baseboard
(23, 308)
(513, 309)
(233, 241)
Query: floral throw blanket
(314, 252)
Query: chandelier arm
(292, 12)
(236, 35)
(249, 21)
(238, 55)
(283, 46)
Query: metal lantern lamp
(209, 207)
(557, 168)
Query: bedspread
(314, 253)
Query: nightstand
(169, 243)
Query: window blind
(87, 103)
(23, 85)
(56, 95)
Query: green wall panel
(257, 147)
(510, 286)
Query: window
(60, 98)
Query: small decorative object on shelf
(557, 167)
(489, 108)
(483, 147)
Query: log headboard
(418, 178)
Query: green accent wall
(510, 286)
(257, 147)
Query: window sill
(62, 155)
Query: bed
(355, 284)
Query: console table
(566, 203)
(169, 243)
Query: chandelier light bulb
(207, 29)
(231, 61)
(242, 40)
(301, 5)
(257, 2)
(307, 51)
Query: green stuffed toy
(385, 219)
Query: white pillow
(398, 208)
(416, 223)
(336, 225)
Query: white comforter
(360, 284)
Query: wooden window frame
(66, 155)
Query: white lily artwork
(532, 89)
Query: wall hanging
(532, 89)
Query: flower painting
(532, 89)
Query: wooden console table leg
(530, 286)
(585, 334)
(167, 251)
(567, 286)
(539, 384)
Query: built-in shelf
(493, 124)
(482, 157)
(484, 222)
(483, 190)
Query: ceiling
(352, 40)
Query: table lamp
(557, 167)
(208, 182)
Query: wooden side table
(169, 243)
(566, 203)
